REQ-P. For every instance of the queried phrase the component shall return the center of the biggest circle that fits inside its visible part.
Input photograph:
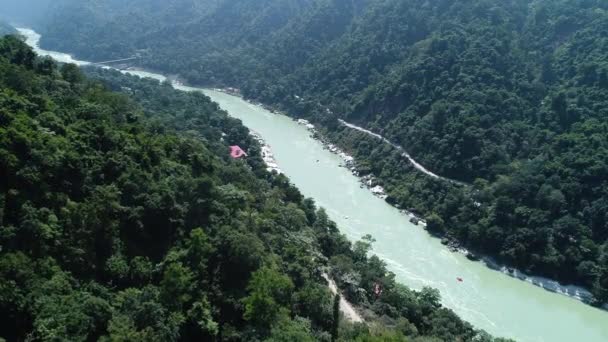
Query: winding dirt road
(417, 165)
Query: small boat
(460, 280)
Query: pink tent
(236, 152)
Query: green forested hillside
(508, 95)
(123, 218)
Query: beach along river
(491, 300)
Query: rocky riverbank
(573, 291)
(267, 156)
(371, 182)
(368, 181)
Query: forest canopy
(507, 96)
(123, 218)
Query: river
(491, 300)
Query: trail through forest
(346, 308)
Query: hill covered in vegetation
(509, 96)
(123, 218)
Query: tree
(64, 313)
(336, 318)
(269, 296)
(176, 285)
(71, 73)
(435, 224)
(363, 246)
(430, 297)
(291, 330)
(200, 314)
(315, 302)
(199, 248)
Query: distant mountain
(6, 29)
(27, 12)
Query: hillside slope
(123, 218)
(508, 95)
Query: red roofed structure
(236, 152)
